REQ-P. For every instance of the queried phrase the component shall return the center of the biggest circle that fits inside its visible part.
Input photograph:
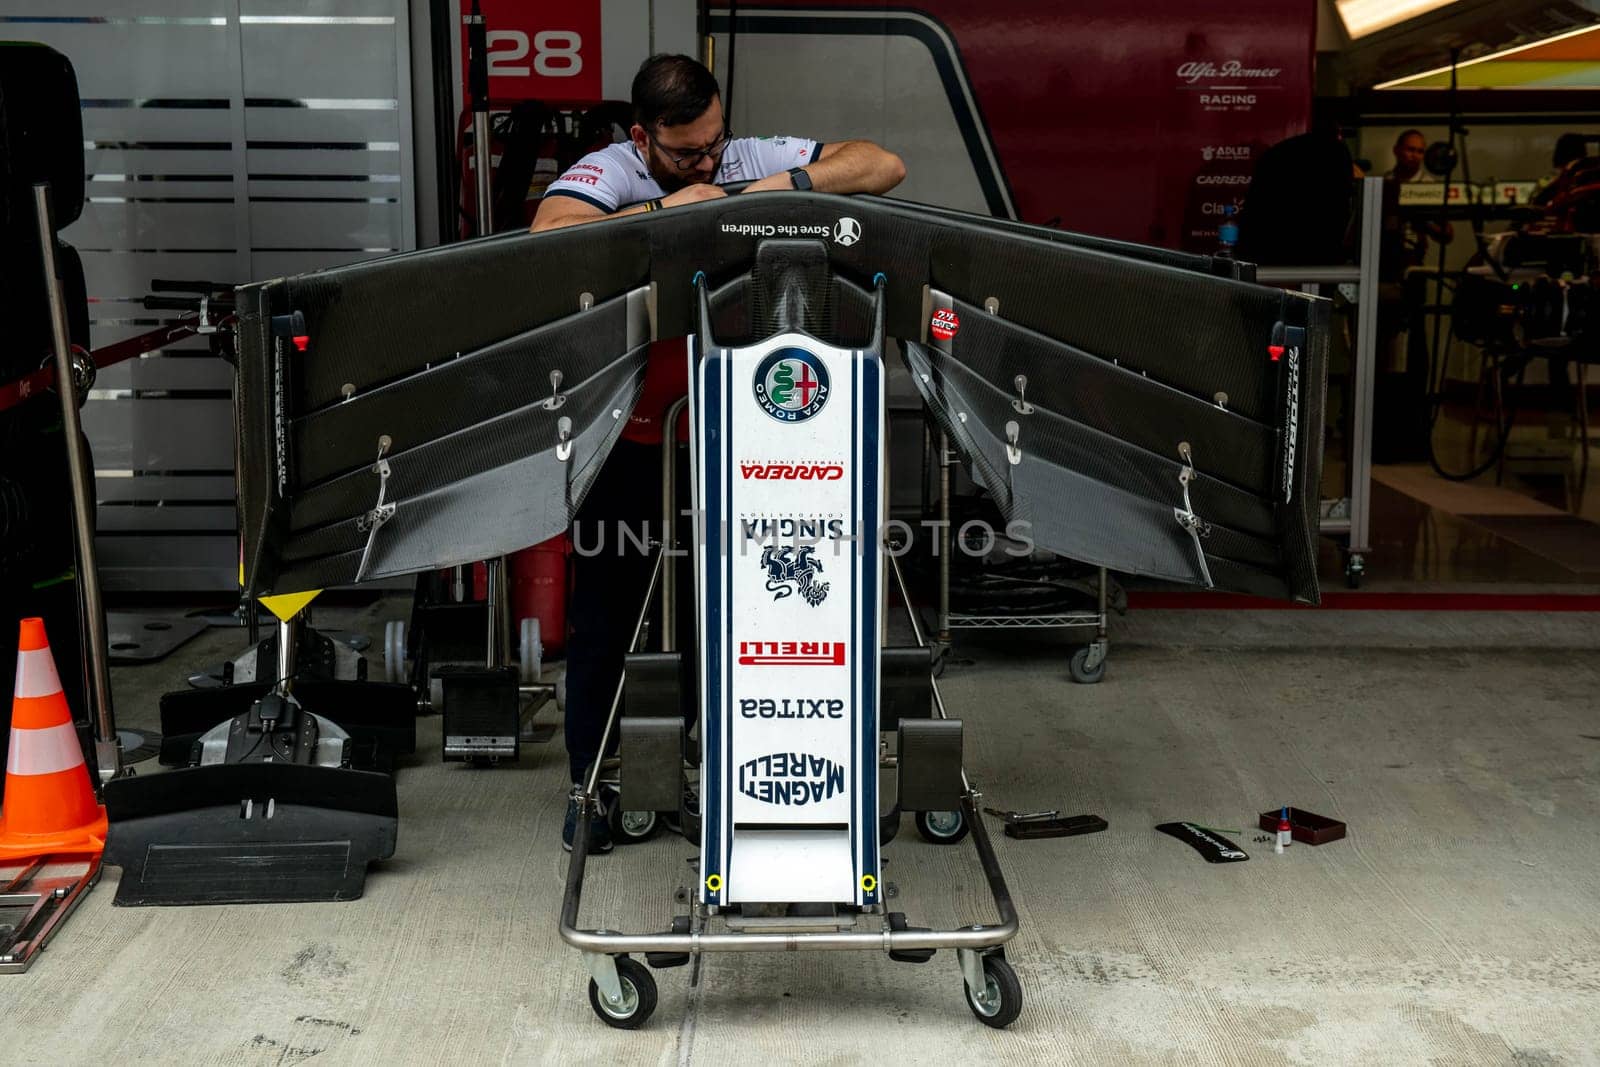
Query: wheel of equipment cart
(1082, 672)
(1355, 569)
(1000, 1001)
(942, 827)
(394, 650)
(627, 827)
(638, 996)
(531, 651)
(631, 827)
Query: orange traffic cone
(49, 803)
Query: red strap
(15, 392)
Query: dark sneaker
(599, 830)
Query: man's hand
(844, 167)
(693, 194)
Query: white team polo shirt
(616, 176)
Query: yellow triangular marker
(287, 605)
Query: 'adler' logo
(791, 385)
(847, 231)
(792, 779)
(792, 570)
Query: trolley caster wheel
(530, 652)
(1355, 569)
(1088, 665)
(394, 651)
(631, 827)
(999, 1002)
(638, 996)
(942, 827)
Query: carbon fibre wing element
(1148, 410)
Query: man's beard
(669, 177)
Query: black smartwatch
(800, 179)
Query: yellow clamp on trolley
(714, 882)
(868, 883)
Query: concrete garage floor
(1456, 924)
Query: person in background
(1410, 236)
(1400, 388)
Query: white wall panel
(225, 140)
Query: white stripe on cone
(46, 751)
(36, 674)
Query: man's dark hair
(670, 90)
(1407, 133)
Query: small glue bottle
(1285, 837)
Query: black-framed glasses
(692, 160)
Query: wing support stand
(1196, 527)
(381, 512)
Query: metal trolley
(622, 990)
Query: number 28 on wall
(556, 54)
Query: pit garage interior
(1411, 176)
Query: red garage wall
(1136, 119)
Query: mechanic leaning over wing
(679, 153)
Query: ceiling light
(1399, 83)
(1362, 17)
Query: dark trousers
(610, 573)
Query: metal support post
(108, 754)
(497, 607)
(1365, 369)
(497, 602)
(478, 88)
(288, 646)
(944, 541)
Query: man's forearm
(555, 219)
(846, 167)
(857, 167)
